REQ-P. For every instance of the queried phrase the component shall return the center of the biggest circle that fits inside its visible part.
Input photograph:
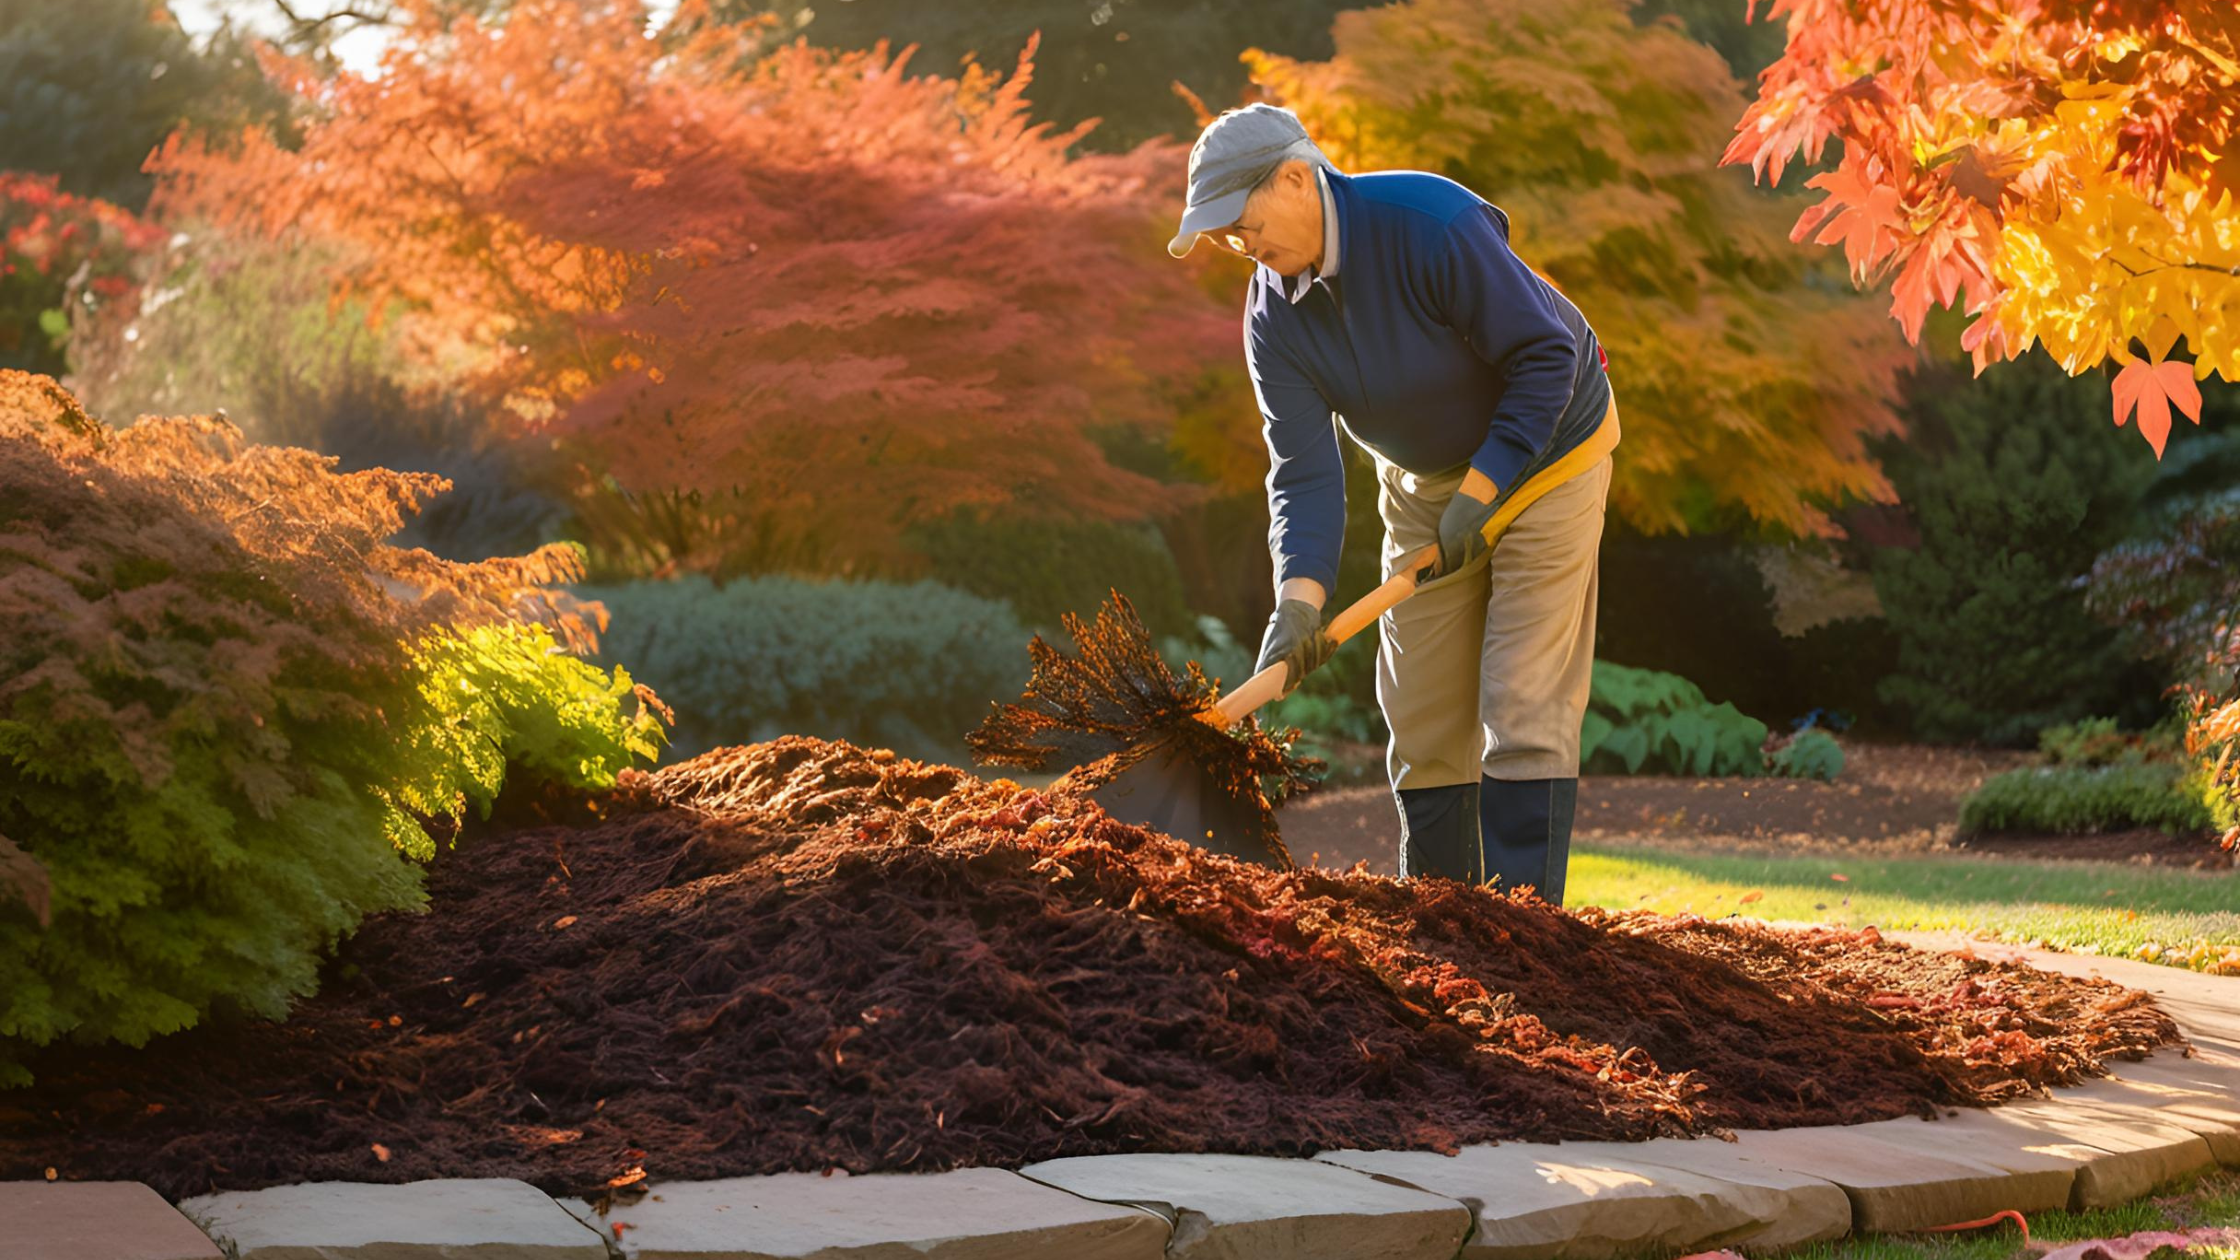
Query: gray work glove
(1462, 535)
(1295, 637)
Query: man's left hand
(1462, 527)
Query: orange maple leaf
(2152, 387)
(1864, 215)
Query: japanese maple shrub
(779, 306)
(229, 711)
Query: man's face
(1281, 226)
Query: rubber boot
(1439, 832)
(1526, 830)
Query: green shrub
(1813, 754)
(507, 697)
(1640, 719)
(215, 738)
(2072, 799)
(908, 666)
(2015, 483)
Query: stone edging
(2101, 1144)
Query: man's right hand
(1295, 638)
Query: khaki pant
(1486, 671)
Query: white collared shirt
(1299, 284)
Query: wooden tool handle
(1358, 616)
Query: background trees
(1749, 380)
(778, 305)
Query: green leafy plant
(905, 665)
(1812, 754)
(1640, 719)
(509, 697)
(2071, 799)
(218, 744)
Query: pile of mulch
(802, 956)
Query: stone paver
(2121, 1151)
(2201, 1093)
(95, 1220)
(1798, 1208)
(1241, 1207)
(1913, 1174)
(486, 1218)
(1545, 1201)
(971, 1214)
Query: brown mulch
(800, 956)
(1891, 800)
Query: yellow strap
(1570, 464)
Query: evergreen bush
(2015, 483)
(228, 708)
(909, 666)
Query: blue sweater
(1434, 346)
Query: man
(1391, 304)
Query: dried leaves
(1114, 703)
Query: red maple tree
(801, 298)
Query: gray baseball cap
(1233, 154)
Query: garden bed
(801, 956)
(1892, 800)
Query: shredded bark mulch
(802, 956)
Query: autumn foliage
(1748, 383)
(229, 711)
(2065, 168)
(786, 301)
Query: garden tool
(1161, 750)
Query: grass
(2177, 917)
(2209, 1200)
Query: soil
(803, 956)
(2146, 847)
(1892, 799)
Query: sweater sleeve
(1306, 473)
(1503, 309)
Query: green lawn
(2184, 918)
(2209, 1201)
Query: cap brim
(1205, 217)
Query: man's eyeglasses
(1240, 238)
